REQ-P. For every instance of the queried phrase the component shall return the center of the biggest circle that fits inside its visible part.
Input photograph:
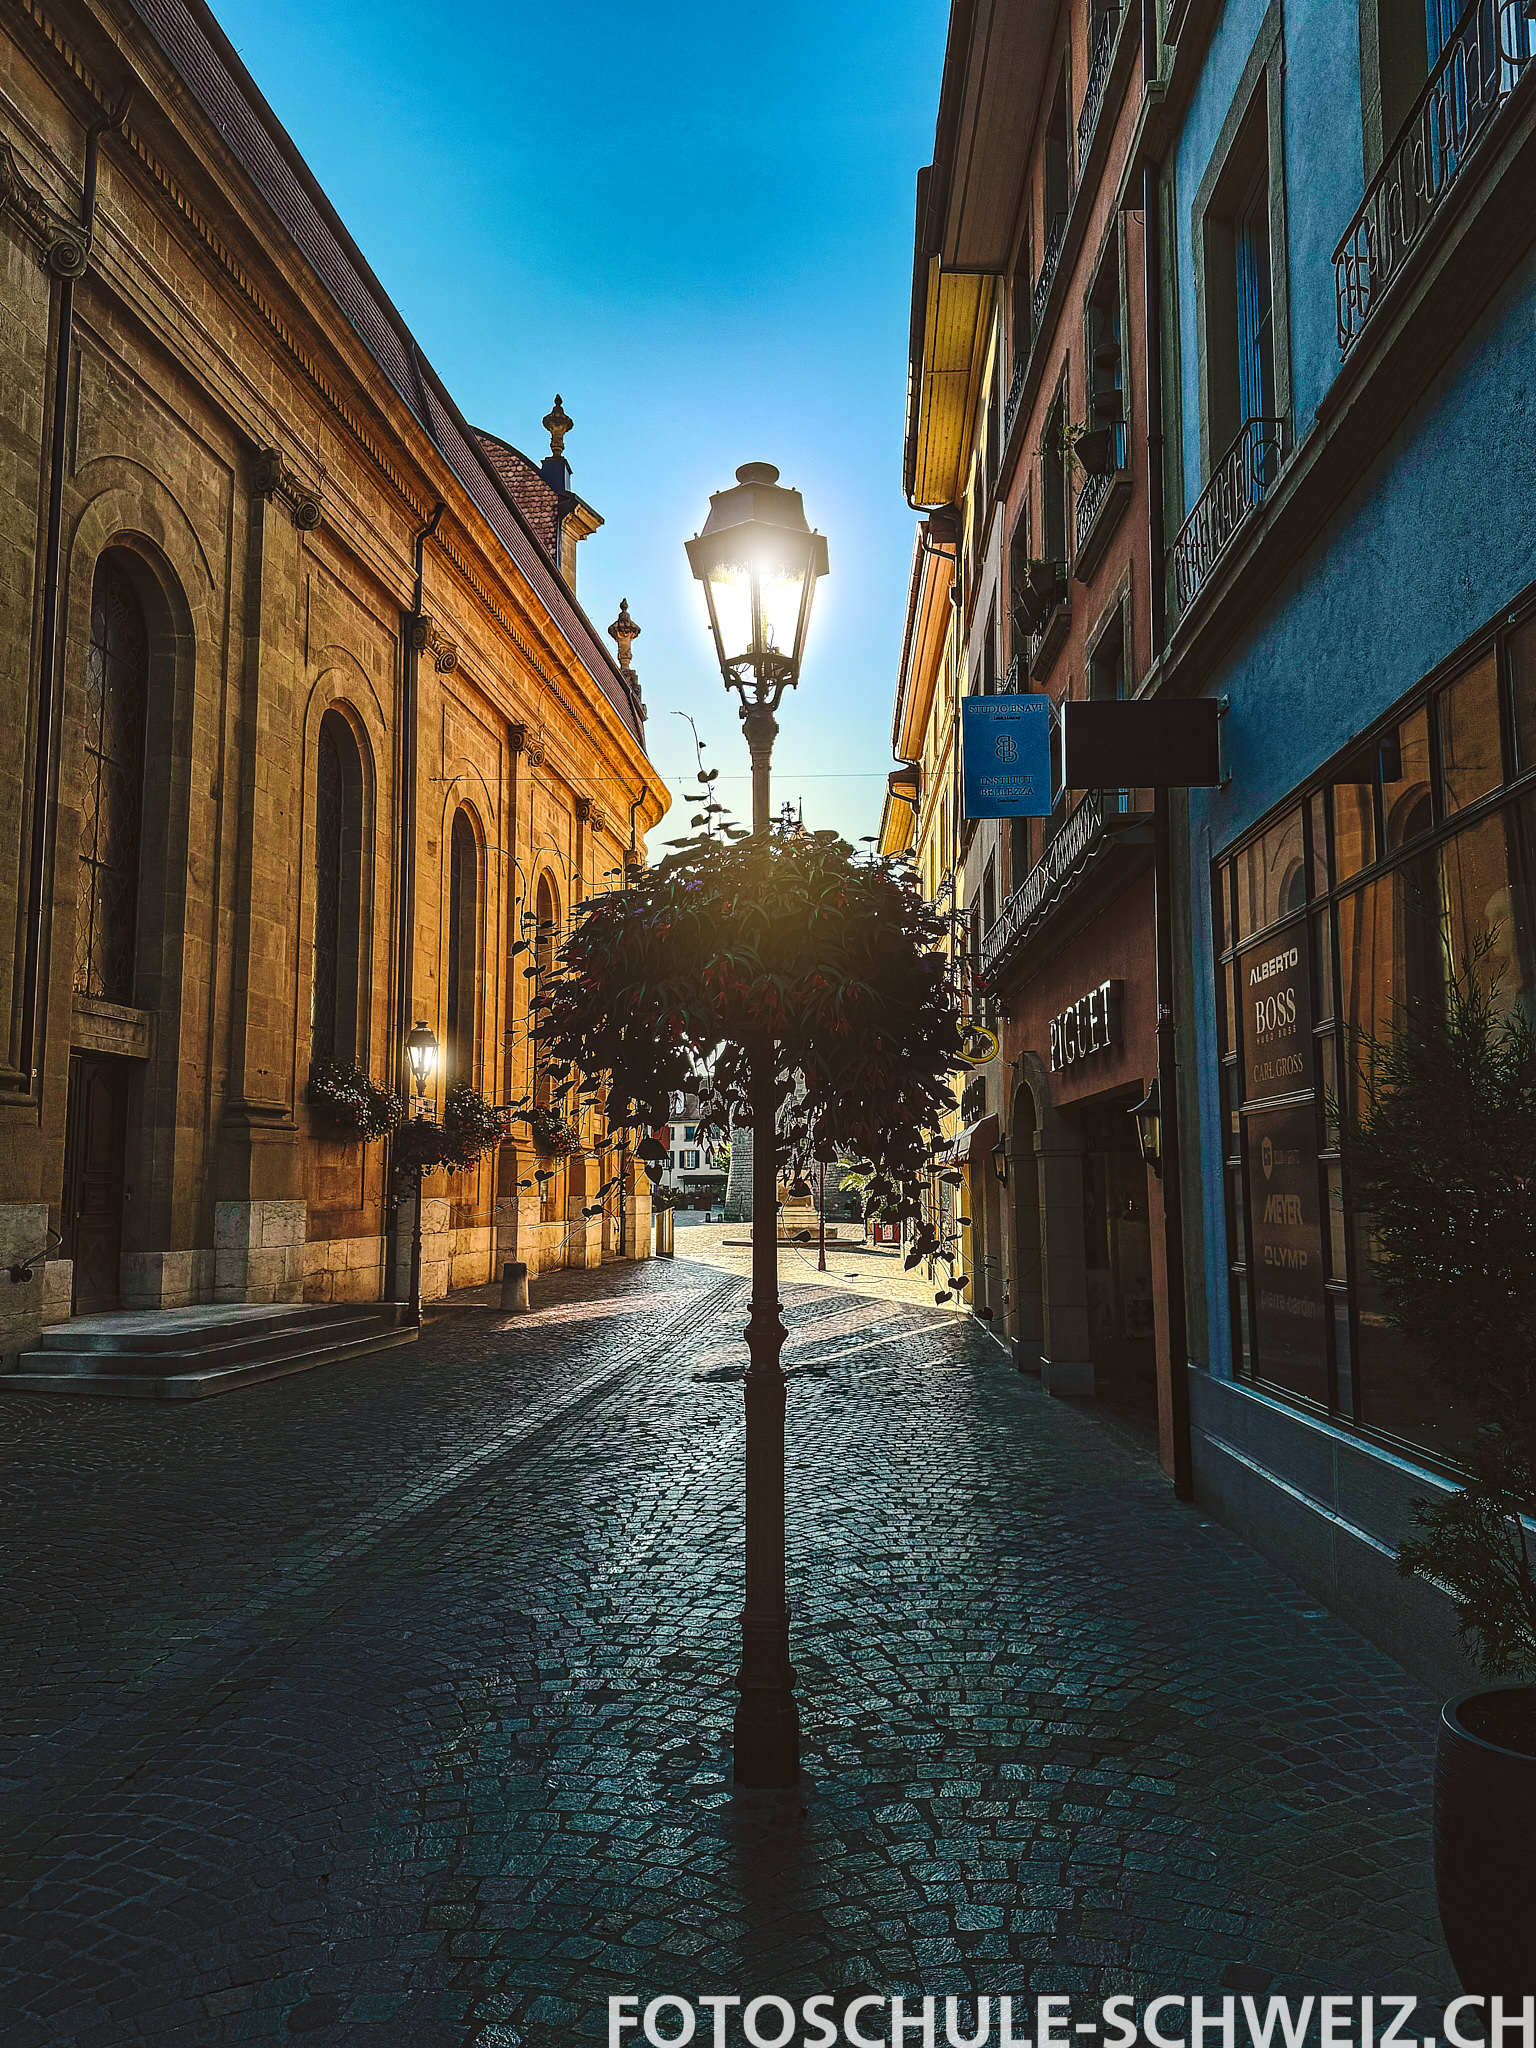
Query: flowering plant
(349, 1104)
(553, 1134)
(470, 1127)
(729, 955)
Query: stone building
(310, 735)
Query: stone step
(205, 1327)
(189, 1371)
(197, 1348)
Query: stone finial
(624, 633)
(557, 424)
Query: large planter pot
(1485, 1840)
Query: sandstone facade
(216, 423)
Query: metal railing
(1096, 484)
(1015, 394)
(1098, 73)
(1239, 483)
(1050, 257)
(1481, 65)
(1010, 682)
(1049, 873)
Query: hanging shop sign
(1088, 1026)
(1005, 748)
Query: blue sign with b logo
(1005, 747)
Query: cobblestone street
(389, 1703)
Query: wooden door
(95, 1131)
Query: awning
(973, 1141)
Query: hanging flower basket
(471, 1126)
(346, 1104)
(554, 1136)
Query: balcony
(1098, 74)
(1048, 262)
(1239, 484)
(1476, 73)
(1010, 683)
(1015, 394)
(1103, 495)
(1083, 868)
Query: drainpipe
(67, 259)
(405, 943)
(1152, 267)
(1167, 1038)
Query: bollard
(664, 1233)
(514, 1287)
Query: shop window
(1470, 759)
(1354, 817)
(1389, 954)
(1405, 892)
(1407, 795)
(1522, 670)
(1271, 877)
(112, 806)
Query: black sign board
(1110, 744)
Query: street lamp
(421, 1054)
(759, 562)
(1149, 1127)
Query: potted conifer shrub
(1444, 1159)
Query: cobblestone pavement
(387, 1704)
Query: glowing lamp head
(758, 561)
(421, 1051)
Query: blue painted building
(1346, 352)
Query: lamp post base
(766, 1740)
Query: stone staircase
(183, 1354)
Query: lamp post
(421, 1053)
(759, 561)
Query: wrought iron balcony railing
(1239, 483)
(1010, 682)
(1049, 873)
(1098, 73)
(1096, 483)
(1481, 65)
(1048, 261)
(1015, 392)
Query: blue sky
(695, 223)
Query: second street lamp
(421, 1055)
(759, 562)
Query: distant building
(692, 1173)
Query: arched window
(543, 960)
(336, 990)
(112, 805)
(463, 949)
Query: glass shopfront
(1412, 859)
